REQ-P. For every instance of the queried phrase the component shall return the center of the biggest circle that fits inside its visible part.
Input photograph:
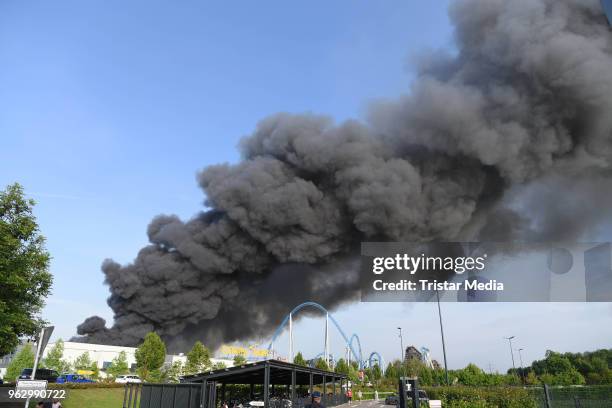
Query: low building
(182, 358)
(103, 354)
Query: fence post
(130, 396)
(414, 390)
(204, 394)
(547, 396)
(125, 394)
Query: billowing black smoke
(523, 109)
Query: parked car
(73, 378)
(392, 400)
(128, 378)
(423, 398)
(41, 374)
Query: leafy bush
(482, 397)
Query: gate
(162, 395)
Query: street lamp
(511, 352)
(442, 333)
(521, 361)
(402, 353)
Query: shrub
(482, 397)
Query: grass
(94, 398)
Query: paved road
(366, 404)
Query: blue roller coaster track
(356, 353)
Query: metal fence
(188, 396)
(593, 396)
(162, 396)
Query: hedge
(482, 397)
(80, 386)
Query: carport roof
(253, 373)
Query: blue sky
(108, 109)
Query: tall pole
(521, 361)
(327, 338)
(290, 338)
(402, 352)
(511, 351)
(33, 377)
(442, 335)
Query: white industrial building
(102, 354)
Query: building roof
(253, 373)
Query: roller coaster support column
(290, 338)
(327, 338)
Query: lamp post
(442, 334)
(511, 352)
(521, 361)
(402, 353)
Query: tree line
(150, 362)
(593, 368)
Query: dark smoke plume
(525, 104)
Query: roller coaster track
(356, 353)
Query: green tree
(239, 359)
(592, 367)
(24, 263)
(471, 375)
(300, 360)
(54, 359)
(412, 367)
(95, 371)
(150, 356)
(376, 373)
(557, 369)
(174, 372)
(82, 362)
(198, 359)
(119, 365)
(321, 364)
(531, 378)
(23, 359)
(392, 371)
(547, 378)
(342, 367)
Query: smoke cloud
(520, 112)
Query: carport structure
(273, 382)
